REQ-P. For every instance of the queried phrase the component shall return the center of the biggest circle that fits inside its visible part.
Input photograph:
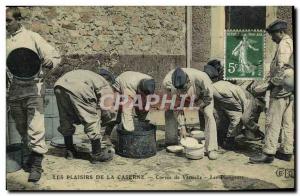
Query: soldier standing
(280, 112)
(25, 97)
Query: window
(245, 17)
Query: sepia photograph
(150, 98)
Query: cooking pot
(23, 63)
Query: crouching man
(235, 108)
(196, 84)
(78, 95)
(133, 86)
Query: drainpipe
(188, 36)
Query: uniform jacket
(85, 85)
(198, 85)
(283, 55)
(128, 83)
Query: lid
(23, 63)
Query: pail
(171, 127)
(140, 143)
(51, 115)
(13, 157)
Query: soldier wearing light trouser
(235, 107)
(78, 95)
(195, 83)
(25, 97)
(131, 84)
(280, 111)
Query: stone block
(71, 26)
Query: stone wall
(286, 13)
(129, 30)
(146, 39)
(151, 40)
(201, 21)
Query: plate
(198, 134)
(175, 148)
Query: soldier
(25, 97)
(235, 108)
(78, 94)
(132, 84)
(195, 83)
(280, 112)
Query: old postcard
(150, 98)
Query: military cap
(179, 78)
(147, 86)
(211, 71)
(276, 25)
(108, 75)
(215, 63)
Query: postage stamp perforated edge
(264, 53)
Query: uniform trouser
(28, 114)
(280, 119)
(75, 111)
(251, 115)
(210, 127)
(228, 123)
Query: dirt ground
(165, 171)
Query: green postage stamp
(244, 54)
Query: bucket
(13, 157)
(51, 115)
(171, 126)
(140, 143)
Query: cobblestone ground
(165, 171)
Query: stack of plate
(192, 149)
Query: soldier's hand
(183, 132)
(47, 64)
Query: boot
(213, 155)
(106, 141)
(27, 165)
(70, 149)
(228, 143)
(98, 155)
(26, 162)
(262, 158)
(36, 168)
(282, 156)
